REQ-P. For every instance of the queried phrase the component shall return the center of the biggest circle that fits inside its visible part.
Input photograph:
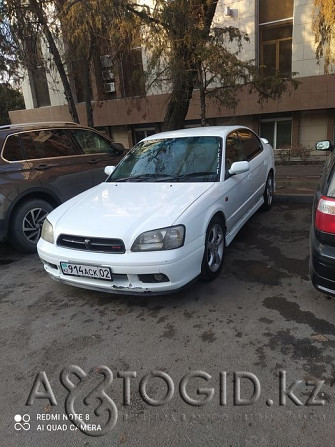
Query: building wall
(303, 58)
(313, 127)
(27, 92)
(243, 16)
(56, 90)
(311, 106)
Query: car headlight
(47, 232)
(161, 239)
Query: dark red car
(322, 236)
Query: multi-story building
(281, 37)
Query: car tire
(26, 224)
(268, 193)
(212, 261)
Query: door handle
(42, 167)
(93, 162)
(249, 176)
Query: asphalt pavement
(247, 360)
(297, 183)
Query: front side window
(93, 143)
(48, 143)
(251, 146)
(188, 159)
(233, 150)
(13, 149)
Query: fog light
(153, 278)
(159, 277)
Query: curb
(293, 198)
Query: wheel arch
(32, 194)
(215, 213)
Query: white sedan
(164, 215)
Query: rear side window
(93, 143)
(13, 149)
(251, 145)
(49, 144)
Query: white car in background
(164, 215)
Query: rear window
(13, 149)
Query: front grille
(96, 244)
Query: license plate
(87, 271)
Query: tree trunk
(88, 95)
(36, 9)
(88, 84)
(186, 67)
(179, 101)
(202, 94)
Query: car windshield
(186, 159)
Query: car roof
(214, 131)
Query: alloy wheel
(214, 247)
(32, 224)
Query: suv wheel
(26, 224)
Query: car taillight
(325, 215)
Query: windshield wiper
(165, 177)
(146, 177)
(195, 174)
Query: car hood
(124, 210)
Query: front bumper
(181, 266)
(322, 266)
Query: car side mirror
(265, 141)
(239, 167)
(324, 145)
(109, 170)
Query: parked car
(322, 235)
(165, 214)
(41, 166)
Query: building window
(275, 31)
(278, 132)
(276, 48)
(143, 132)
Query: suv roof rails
(39, 123)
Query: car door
(99, 152)
(56, 162)
(236, 187)
(252, 149)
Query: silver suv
(43, 165)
